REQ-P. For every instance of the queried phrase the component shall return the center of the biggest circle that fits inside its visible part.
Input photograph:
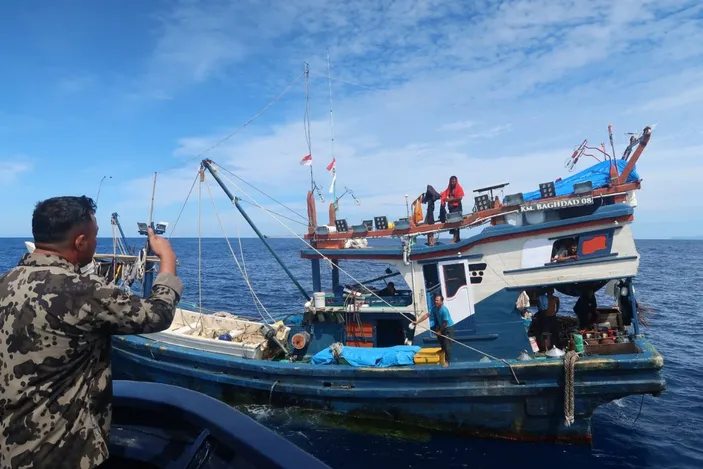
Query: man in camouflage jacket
(55, 328)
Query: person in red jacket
(452, 196)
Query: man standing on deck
(55, 328)
(442, 325)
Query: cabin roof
(490, 233)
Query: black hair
(439, 296)
(53, 219)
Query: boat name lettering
(570, 202)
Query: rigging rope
(234, 256)
(261, 111)
(262, 192)
(200, 244)
(569, 366)
(244, 265)
(184, 205)
(276, 213)
(329, 261)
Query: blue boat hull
(161, 426)
(477, 398)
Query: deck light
(454, 217)
(402, 224)
(360, 229)
(546, 190)
(514, 199)
(583, 187)
(159, 229)
(483, 202)
(381, 222)
(342, 226)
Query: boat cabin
(569, 236)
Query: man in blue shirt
(441, 323)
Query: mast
(149, 267)
(307, 121)
(333, 189)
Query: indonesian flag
(306, 160)
(330, 166)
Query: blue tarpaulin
(381, 357)
(598, 174)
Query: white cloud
(12, 168)
(486, 91)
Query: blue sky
(489, 91)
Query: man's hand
(162, 248)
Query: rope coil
(569, 367)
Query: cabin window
(595, 244)
(585, 246)
(454, 278)
(431, 274)
(565, 249)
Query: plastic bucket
(318, 299)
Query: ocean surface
(635, 432)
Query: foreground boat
(352, 351)
(162, 426)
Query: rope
(329, 261)
(200, 245)
(141, 264)
(244, 266)
(262, 192)
(261, 111)
(276, 213)
(336, 349)
(234, 256)
(184, 205)
(569, 364)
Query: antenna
(151, 208)
(346, 191)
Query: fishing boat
(162, 426)
(351, 348)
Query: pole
(235, 201)
(334, 169)
(307, 121)
(124, 238)
(644, 140)
(149, 266)
(100, 186)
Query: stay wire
(234, 256)
(276, 213)
(184, 204)
(260, 191)
(237, 130)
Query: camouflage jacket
(55, 378)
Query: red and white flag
(330, 166)
(306, 160)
